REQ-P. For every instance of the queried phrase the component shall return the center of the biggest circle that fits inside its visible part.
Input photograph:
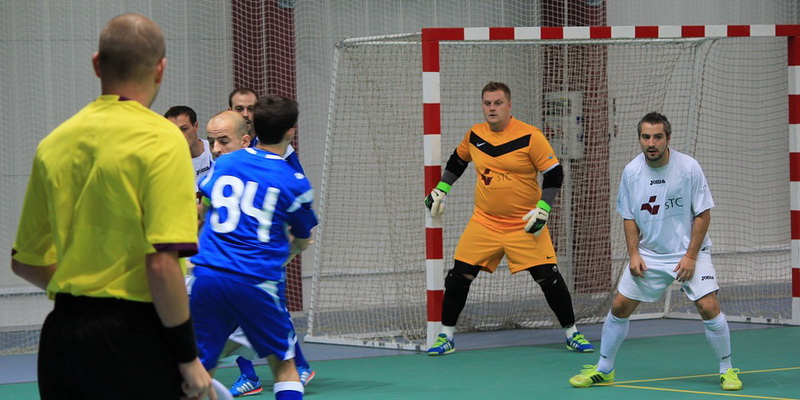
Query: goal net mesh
(726, 100)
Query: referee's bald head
(130, 48)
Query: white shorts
(660, 275)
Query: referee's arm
(168, 288)
(37, 275)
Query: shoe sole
(580, 351)
(252, 392)
(310, 377)
(582, 385)
(435, 353)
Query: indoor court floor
(661, 359)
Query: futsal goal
(400, 104)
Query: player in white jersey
(186, 120)
(665, 204)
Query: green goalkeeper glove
(435, 200)
(537, 218)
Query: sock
(570, 330)
(288, 390)
(719, 337)
(615, 330)
(449, 331)
(246, 368)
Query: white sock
(449, 331)
(570, 330)
(615, 330)
(288, 386)
(719, 337)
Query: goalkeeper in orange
(510, 214)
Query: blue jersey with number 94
(257, 198)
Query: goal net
(726, 98)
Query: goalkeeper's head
(275, 119)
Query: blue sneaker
(245, 387)
(579, 343)
(442, 346)
(306, 375)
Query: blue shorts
(220, 303)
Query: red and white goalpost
(724, 89)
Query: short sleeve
(168, 198)
(701, 193)
(463, 149)
(623, 199)
(34, 243)
(542, 155)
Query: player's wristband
(205, 201)
(444, 187)
(180, 341)
(543, 205)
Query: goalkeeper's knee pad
(460, 277)
(548, 277)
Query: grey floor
(22, 368)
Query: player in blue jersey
(228, 132)
(258, 202)
(242, 100)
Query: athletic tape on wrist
(444, 187)
(543, 205)
(181, 342)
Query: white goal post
(724, 88)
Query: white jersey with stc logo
(203, 162)
(663, 201)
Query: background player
(227, 132)
(186, 120)
(667, 241)
(242, 100)
(240, 273)
(510, 215)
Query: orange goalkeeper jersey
(507, 165)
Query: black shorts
(102, 348)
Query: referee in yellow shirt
(108, 210)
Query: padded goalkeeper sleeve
(454, 169)
(551, 184)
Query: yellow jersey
(108, 186)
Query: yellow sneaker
(589, 376)
(730, 379)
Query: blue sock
(246, 368)
(288, 390)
